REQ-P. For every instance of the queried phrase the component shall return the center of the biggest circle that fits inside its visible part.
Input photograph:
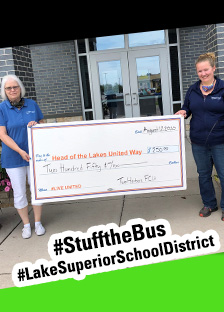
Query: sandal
(206, 212)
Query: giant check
(87, 159)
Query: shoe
(206, 211)
(222, 218)
(40, 230)
(26, 232)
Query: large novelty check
(87, 159)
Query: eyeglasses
(10, 88)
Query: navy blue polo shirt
(16, 120)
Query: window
(146, 38)
(106, 43)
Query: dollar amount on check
(89, 159)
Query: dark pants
(205, 157)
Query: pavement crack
(9, 233)
(19, 222)
(122, 209)
(5, 274)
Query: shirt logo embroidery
(216, 97)
(30, 112)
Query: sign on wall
(87, 159)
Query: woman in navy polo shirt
(204, 101)
(16, 112)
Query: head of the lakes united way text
(96, 155)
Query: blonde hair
(206, 57)
(15, 78)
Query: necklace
(208, 88)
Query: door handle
(127, 99)
(134, 97)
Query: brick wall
(17, 61)
(192, 44)
(216, 45)
(6, 62)
(195, 41)
(24, 70)
(56, 79)
(211, 38)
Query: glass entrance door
(111, 89)
(111, 85)
(149, 82)
(130, 84)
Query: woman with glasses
(16, 112)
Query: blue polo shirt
(15, 120)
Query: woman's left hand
(32, 123)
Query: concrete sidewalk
(179, 208)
